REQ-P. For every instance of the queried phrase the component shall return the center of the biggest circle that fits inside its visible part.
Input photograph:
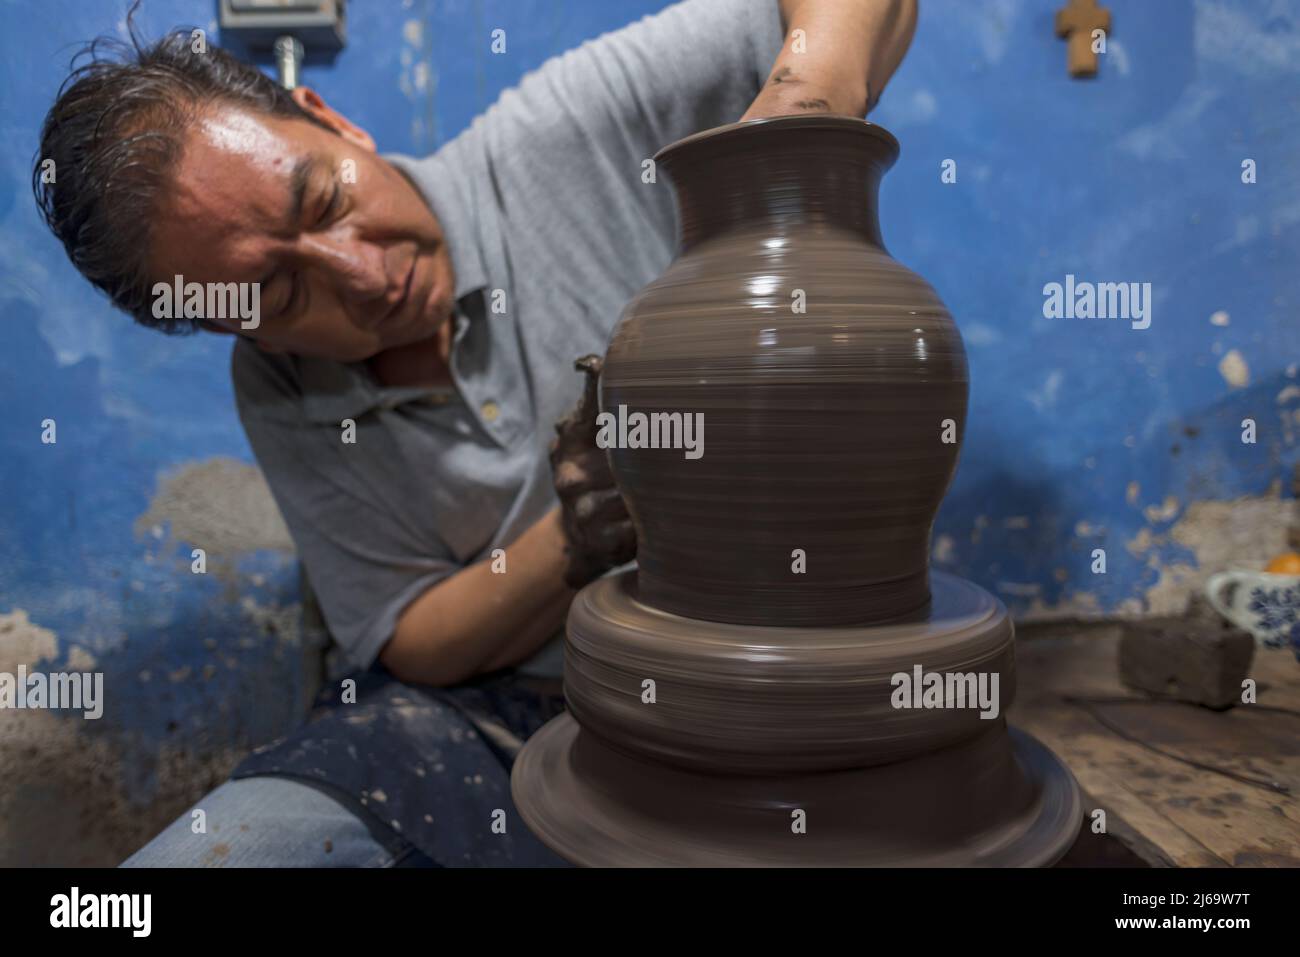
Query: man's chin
(348, 356)
(417, 333)
(414, 337)
(409, 340)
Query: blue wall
(1087, 434)
(1081, 434)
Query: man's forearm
(840, 63)
(479, 620)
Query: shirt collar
(334, 391)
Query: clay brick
(1188, 659)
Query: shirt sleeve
(573, 135)
(364, 564)
(692, 66)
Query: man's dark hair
(114, 133)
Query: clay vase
(747, 672)
(826, 372)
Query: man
(419, 321)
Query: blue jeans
(269, 821)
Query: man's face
(350, 260)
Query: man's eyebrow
(298, 180)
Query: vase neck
(779, 175)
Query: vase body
(830, 382)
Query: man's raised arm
(838, 56)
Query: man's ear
(311, 101)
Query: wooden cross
(1077, 21)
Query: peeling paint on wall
(221, 505)
(89, 793)
(1234, 370)
(1162, 512)
(80, 793)
(24, 643)
(64, 801)
(1215, 535)
(1075, 605)
(283, 622)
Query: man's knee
(264, 821)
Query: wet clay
(784, 699)
(825, 373)
(733, 702)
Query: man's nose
(356, 269)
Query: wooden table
(1181, 785)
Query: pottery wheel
(757, 700)
(754, 725)
(1003, 800)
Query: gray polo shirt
(543, 199)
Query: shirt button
(490, 411)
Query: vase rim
(794, 121)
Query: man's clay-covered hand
(597, 529)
